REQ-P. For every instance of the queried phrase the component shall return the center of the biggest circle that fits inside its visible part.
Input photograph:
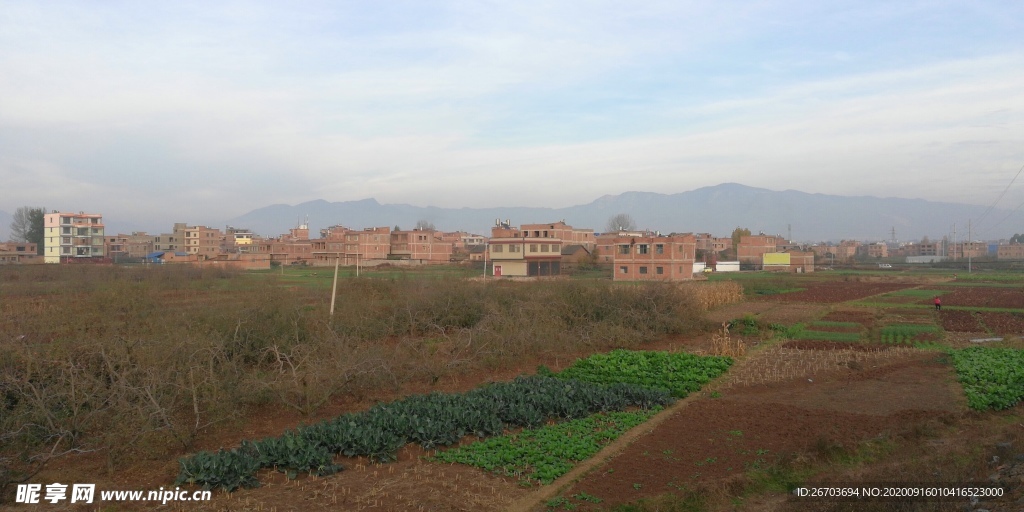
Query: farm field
(834, 382)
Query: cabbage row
(431, 420)
(677, 372)
(992, 378)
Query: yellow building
(69, 237)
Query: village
(527, 250)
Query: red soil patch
(960, 321)
(1003, 323)
(987, 297)
(716, 440)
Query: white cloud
(475, 104)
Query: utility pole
(970, 241)
(954, 242)
(334, 287)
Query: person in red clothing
(938, 303)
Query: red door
(497, 270)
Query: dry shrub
(130, 362)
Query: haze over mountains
(717, 210)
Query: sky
(197, 112)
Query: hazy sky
(201, 111)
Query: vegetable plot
(431, 420)
(993, 378)
(547, 453)
(679, 373)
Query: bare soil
(802, 400)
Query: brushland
(130, 363)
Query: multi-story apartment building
(654, 258)
(875, 250)
(237, 240)
(166, 242)
(72, 237)
(424, 245)
(136, 245)
(752, 248)
(368, 244)
(712, 244)
(202, 241)
(524, 256)
(1010, 252)
(512, 252)
(295, 247)
(965, 250)
(605, 243)
(847, 249)
(330, 247)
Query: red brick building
(654, 258)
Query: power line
(1000, 198)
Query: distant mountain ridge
(716, 209)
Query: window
(623, 249)
(643, 249)
(623, 270)
(497, 248)
(65, 231)
(643, 270)
(543, 247)
(533, 247)
(659, 270)
(513, 248)
(659, 248)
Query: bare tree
(424, 225)
(27, 226)
(620, 222)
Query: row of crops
(617, 382)
(546, 453)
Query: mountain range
(718, 210)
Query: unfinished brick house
(752, 248)
(654, 258)
(423, 245)
(19, 253)
(563, 232)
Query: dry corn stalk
(713, 295)
(723, 345)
